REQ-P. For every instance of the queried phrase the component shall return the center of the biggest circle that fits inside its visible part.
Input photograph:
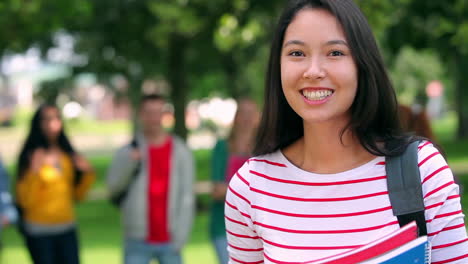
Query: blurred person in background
(227, 158)
(51, 177)
(415, 119)
(156, 171)
(8, 214)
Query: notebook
(400, 246)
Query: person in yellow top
(51, 177)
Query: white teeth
(317, 95)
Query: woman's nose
(314, 69)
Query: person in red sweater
(158, 210)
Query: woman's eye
(296, 54)
(336, 53)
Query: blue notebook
(415, 252)
(402, 246)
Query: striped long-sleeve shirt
(277, 213)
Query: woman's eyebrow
(328, 43)
(336, 42)
(294, 42)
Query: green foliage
(380, 14)
(177, 17)
(460, 38)
(20, 21)
(50, 90)
(412, 71)
(204, 47)
(441, 26)
(230, 35)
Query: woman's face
(318, 74)
(51, 123)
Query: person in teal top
(227, 157)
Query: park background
(95, 58)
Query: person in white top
(317, 186)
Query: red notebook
(390, 246)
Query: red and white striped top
(278, 213)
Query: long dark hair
(374, 116)
(37, 139)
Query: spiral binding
(427, 259)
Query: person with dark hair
(227, 157)
(317, 186)
(414, 119)
(51, 177)
(157, 172)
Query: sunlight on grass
(200, 253)
(101, 255)
(17, 255)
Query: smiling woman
(318, 186)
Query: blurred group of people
(150, 180)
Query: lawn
(100, 238)
(100, 234)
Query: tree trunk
(231, 71)
(177, 75)
(134, 95)
(461, 79)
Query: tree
(25, 23)
(178, 41)
(442, 26)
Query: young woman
(227, 157)
(51, 178)
(317, 186)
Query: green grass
(203, 164)
(22, 119)
(101, 238)
(88, 126)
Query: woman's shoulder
(262, 164)
(427, 148)
(274, 159)
(431, 163)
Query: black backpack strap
(134, 143)
(405, 188)
(118, 198)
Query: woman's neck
(324, 149)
